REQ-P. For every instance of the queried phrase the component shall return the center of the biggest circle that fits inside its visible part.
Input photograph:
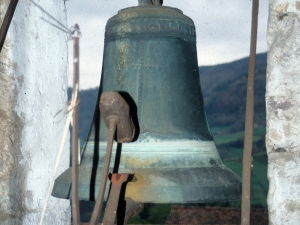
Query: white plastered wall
(283, 112)
(33, 103)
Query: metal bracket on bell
(157, 2)
(117, 181)
(150, 2)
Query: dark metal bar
(98, 206)
(75, 163)
(247, 156)
(117, 181)
(6, 21)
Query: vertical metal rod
(117, 181)
(79, 155)
(247, 156)
(6, 21)
(99, 201)
(75, 164)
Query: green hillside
(224, 92)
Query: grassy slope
(259, 172)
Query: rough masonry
(33, 102)
(283, 112)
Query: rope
(247, 156)
(73, 104)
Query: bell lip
(170, 186)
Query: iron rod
(117, 181)
(75, 163)
(247, 155)
(99, 201)
(6, 21)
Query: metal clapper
(116, 115)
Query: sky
(223, 30)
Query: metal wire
(73, 103)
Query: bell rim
(152, 186)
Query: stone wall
(283, 112)
(33, 102)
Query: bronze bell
(150, 58)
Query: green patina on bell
(150, 57)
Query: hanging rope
(247, 156)
(74, 102)
(76, 34)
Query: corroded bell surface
(150, 58)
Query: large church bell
(150, 58)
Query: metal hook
(75, 32)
